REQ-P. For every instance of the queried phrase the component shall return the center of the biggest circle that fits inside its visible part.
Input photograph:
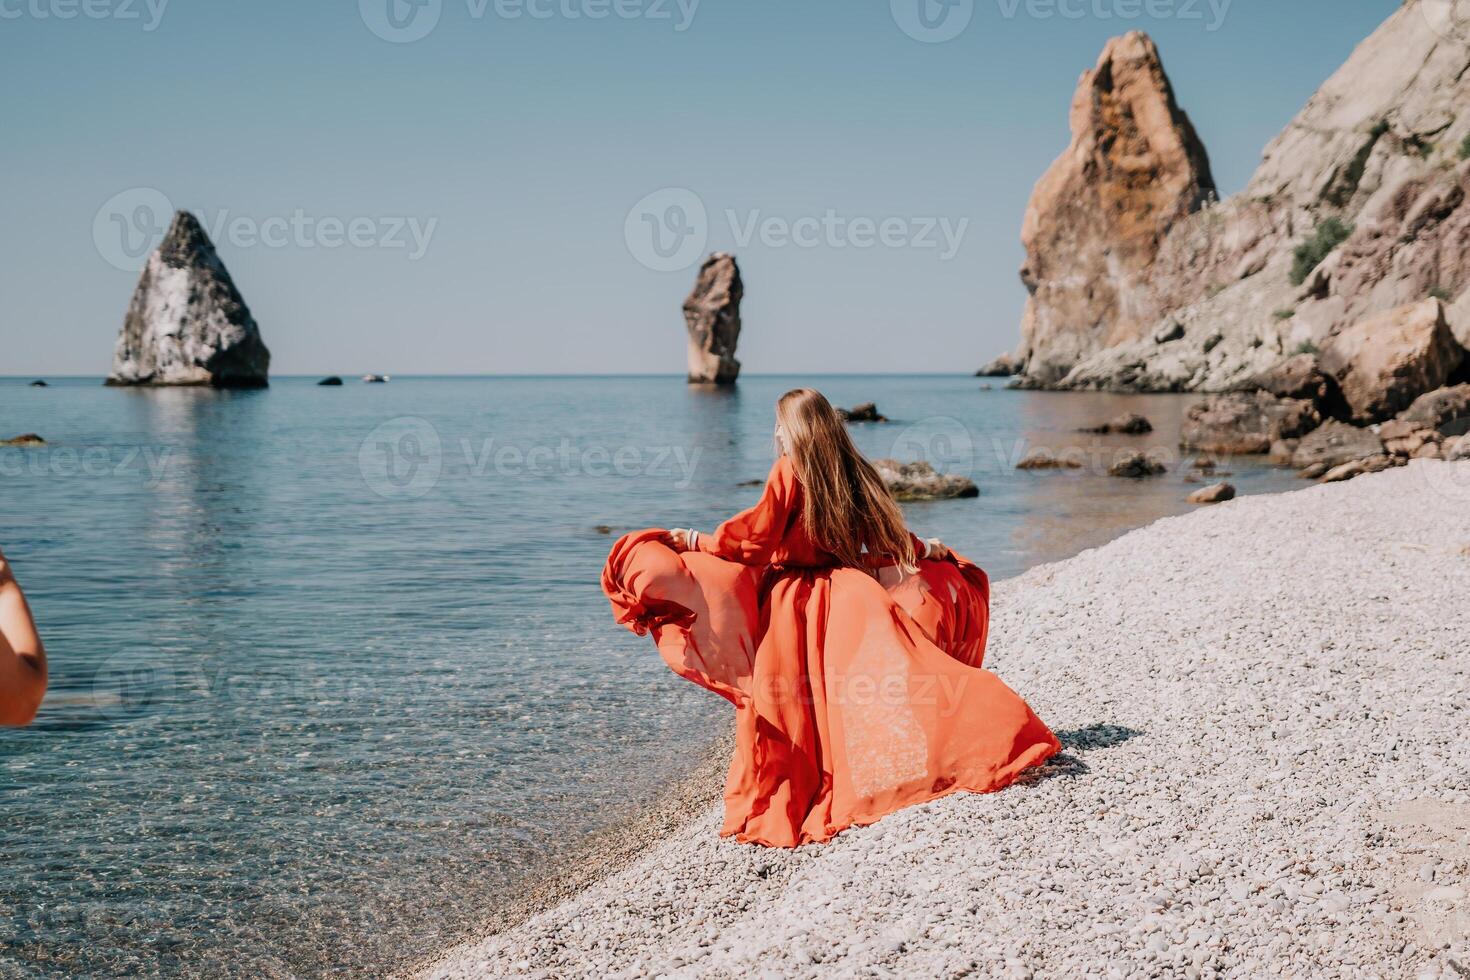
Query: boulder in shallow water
(920, 481)
(1384, 362)
(1245, 423)
(1335, 443)
(1136, 466)
(30, 439)
(1042, 458)
(330, 382)
(712, 315)
(187, 324)
(866, 412)
(1216, 493)
(1127, 424)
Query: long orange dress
(857, 691)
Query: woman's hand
(680, 539)
(937, 550)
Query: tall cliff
(1097, 218)
(187, 323)
(1359, 207)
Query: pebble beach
(1265, 773)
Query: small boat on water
(375, 379)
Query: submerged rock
(920, 481)
(1042, 458)
(866, 412)
(1245, 423)
(187, 324)
(1136, 466)
(1384, 362)
(1127, 424)
(1216, 493)
(712, 315)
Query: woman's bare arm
(22, 656)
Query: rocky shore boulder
(1439, 409)
(187, 323)
(920, 481)
(1002, 367)
(1245, 423)
(1296, 377)
(1216, 493)
(1136, 466)
(1095, 221)
(1384, 362)
(28, 441)
(1335, 443)
(712, 314)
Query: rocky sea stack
(187, 324)
(712, 314)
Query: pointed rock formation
(712, 314)
(187, 324)
(1360, 206)
(1096, 219)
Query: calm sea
(331, 669)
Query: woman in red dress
(850, 648)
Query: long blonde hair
(846, 506)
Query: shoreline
(1257, 749)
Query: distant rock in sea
(30, 439)
(866, 412)
(330, 382)
(1002, 367)
(712, 314)
(39, 384)
(187, 324)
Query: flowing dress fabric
(857, 691)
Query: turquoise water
(331, 669)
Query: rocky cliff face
(1358, 208)
(186, 324)
(712, 314)
(1097, 218)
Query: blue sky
(468, 201)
